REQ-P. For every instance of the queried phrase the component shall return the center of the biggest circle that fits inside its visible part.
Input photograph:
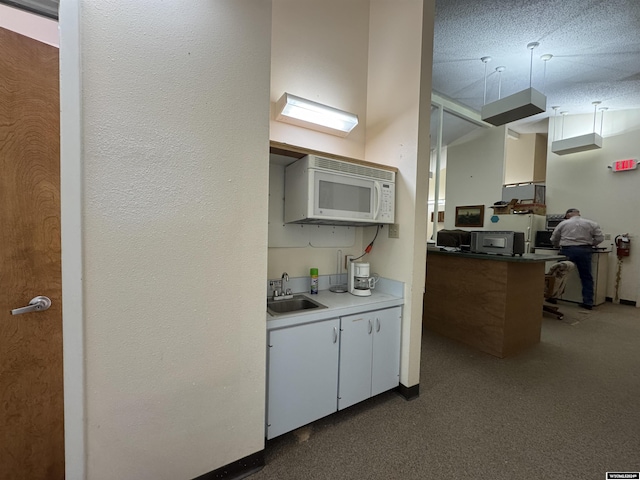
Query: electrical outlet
(394, 230)
(607, 236)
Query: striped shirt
(577, 231)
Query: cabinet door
(356, 333)
(385, 372)
(302, 378)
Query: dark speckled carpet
(568, 408)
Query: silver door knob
(37, 304)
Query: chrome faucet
(285, 278)
(279, 290)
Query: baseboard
(622, 301)
(409, 393)
(236, 470)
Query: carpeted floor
(568, 408)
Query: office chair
(554, 282)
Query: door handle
(377, 200)
(37, 304)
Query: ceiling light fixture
(316, 116)
(581, 143)
(520, 105)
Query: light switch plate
(394, 230)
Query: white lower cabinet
(369, 355)
(315, 369)
(302, 375)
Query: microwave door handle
(377, 199)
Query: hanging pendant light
(520, 105)
(581, 143)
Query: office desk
(490, 302)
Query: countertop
(525, 258)
(338, 305)
(556, 250)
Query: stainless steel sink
(298, 303)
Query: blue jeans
(581, 256)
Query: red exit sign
(624, 165)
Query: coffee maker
(359, 282)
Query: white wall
(174, 135)
(398, 114)
(319, 51)
(526, 158)
(475, 167)
(519, 164)
(583, 181)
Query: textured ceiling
(595, 46)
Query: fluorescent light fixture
(316, 116)
(590, 141)
(514, 107)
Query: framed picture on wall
(470, 216)
(440, 216)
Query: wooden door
(31, 391)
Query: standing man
(576, 237)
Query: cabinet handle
(335, 334)
(370, 327)
(377, 324)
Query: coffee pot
(360, 282)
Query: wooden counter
(490, 302)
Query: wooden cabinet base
(495, 306)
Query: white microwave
(325, 191)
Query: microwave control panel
(387, 202)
